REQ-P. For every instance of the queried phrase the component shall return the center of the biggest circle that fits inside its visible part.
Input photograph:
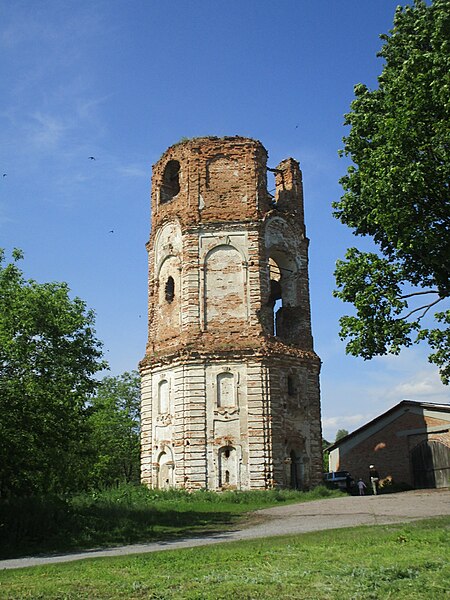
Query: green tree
(341, 433)
(48, 357)
(115, 431)
(396, 192)
(325, 455)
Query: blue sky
(123, 80)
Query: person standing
(374, 479)
(361, 487)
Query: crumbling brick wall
(230, 388)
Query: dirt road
(348, 511)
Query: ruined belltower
(230, 379)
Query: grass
(127, 514)
(409, 561)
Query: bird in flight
(111, 231)
(4, 174)
(91, 157)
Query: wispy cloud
(349, 422)
(64, 127)
(424, 386)
(87, 108)
(47, 131)
(380, 383)
(134, 171)
(50, 87)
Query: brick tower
(230, 380)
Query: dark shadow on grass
(103, 527)
(126, 514)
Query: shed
(409, 443)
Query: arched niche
(164, 397)
(168, 242)
(169, 301)
(224, 287)
(166, 470)
(226, 389)
(279, 233)
(169, 280)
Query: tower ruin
(230, 380)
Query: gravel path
(348, 511)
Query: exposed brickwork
(230, 394)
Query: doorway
(431, 465)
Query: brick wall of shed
(389, 451)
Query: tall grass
(127, 514)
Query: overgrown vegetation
(393, 561)
(126, 514)
(325, 455)
(113, 421)
(61, 429)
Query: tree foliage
(325, 455)
(397, 192)
(114, 424)
(48, 357)
(341, 433)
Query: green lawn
(408, 561)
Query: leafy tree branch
(49, 356)
(397, 192)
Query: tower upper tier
(212, 179)
(228, 260)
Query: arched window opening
(163, 397)
(170, 289)
(276, 293)
(171, 181)
(275, 277)
(228, 467)
(276, 310)
(282, 316)
(271, 187)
